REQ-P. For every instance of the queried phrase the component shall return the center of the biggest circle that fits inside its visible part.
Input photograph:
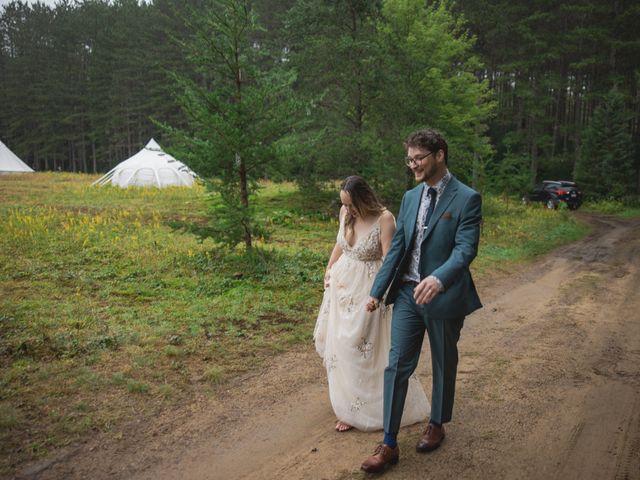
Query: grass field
(613, 207)
(109, 311)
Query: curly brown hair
(430, 140)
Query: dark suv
(552, 192)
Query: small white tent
(150, 167)
(9, 162)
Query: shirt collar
(441, 185)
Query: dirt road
(548, 387)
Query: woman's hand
(372, 304)
(335, 255)
(327, 278)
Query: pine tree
(236, 111)
(332, 47)
(605, 168)
(429, 81)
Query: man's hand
(426, 290)
(372, 304)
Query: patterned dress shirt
(413, 274)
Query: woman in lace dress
(353, 343)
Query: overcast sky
(47, 2)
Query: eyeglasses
(417, 159)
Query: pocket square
(446, 216)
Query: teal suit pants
(407, 334)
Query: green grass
(613, 207)
(109, 306)
(513, 232)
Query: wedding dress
(354, 344)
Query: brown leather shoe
(382, 456)
(431, 438)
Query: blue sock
(390, 440)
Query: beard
(426, 173)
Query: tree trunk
(93, 156)
(475, 173)
(83, 145)
(244, 199)
(129, 142)
(242, 168)
(72, 151)
(561, 100)
(533, 149)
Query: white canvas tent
(150, 167)
(9, 162)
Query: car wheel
(551, 205)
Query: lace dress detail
(354, 343)
(366, 249)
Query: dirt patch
(548, 387)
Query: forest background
(311, 90)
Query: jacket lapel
(412, 216)
(447, 196)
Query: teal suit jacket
(448, 246)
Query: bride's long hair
(364, 201)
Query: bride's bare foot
(343, 427)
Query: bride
(353, 343)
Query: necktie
(431, 193)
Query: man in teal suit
(426, 276)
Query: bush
(632, 201)
(609, 206)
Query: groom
(426, 273)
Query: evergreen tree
(82, 79)
(429, 80)
(605, 168)
(373, 71)
(550, 63)
(332, 47)
(237, 110)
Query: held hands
(426, 290)
(372, 304)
